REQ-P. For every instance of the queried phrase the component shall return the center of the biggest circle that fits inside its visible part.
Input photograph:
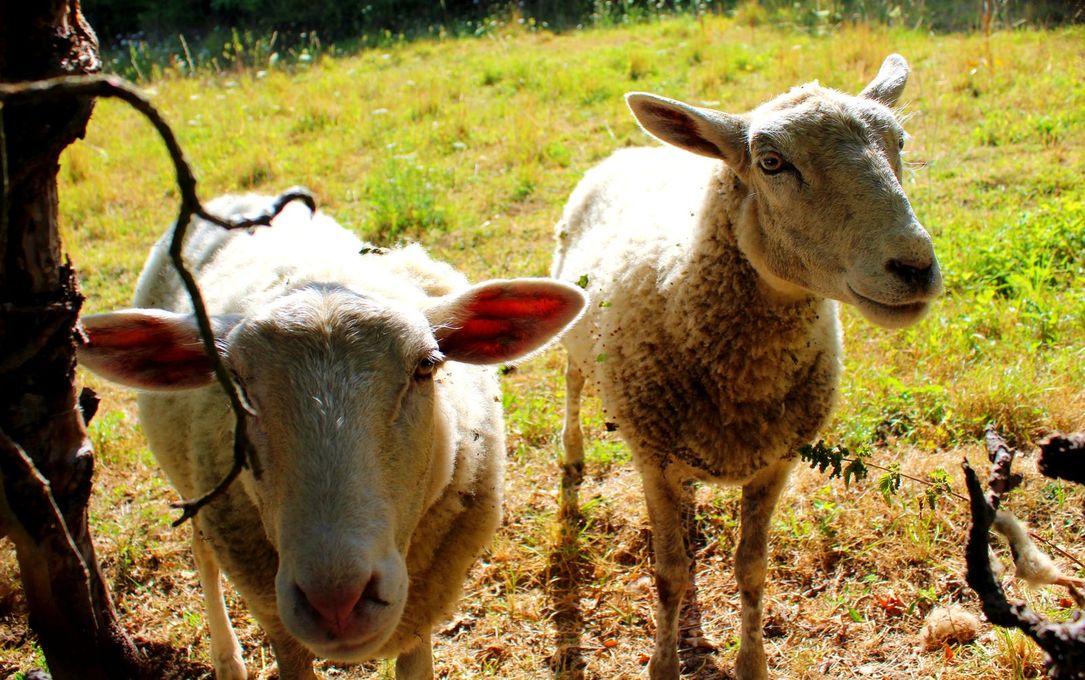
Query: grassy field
(471, 147)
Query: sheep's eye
(426, 367)
(900, 143)
(772, 163)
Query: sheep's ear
(503, 320)
(702, 131)
(149, 349)
(888, 85)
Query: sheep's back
(240, 269)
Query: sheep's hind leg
(225, 649)
(664, 498)
(759, 497)
(417, 664)
(572, 437)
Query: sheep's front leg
(417, 664)
(759, 497)
(225, 649)
(295, 661)
(572, 437)
(664, 499)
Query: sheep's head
(824, 210)
(352, 424)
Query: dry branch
(1063, 457)
(111, 86)
(1063, 643)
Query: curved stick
(112, 86)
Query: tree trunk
(46, 463)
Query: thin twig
(910, 478)
(1032, 534)
(112, 86)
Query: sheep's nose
(335, 607)
(915, 273)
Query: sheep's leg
(759, 497)
(225, 649)
(572, 437)
(295, 661)
(417, 664)
(664, 498)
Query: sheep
(376, 421)
(715, 269)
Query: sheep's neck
(727, 240)
(715, 262)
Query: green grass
(471, 146)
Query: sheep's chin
(355, 651)
(888, 316)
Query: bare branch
(1063, 643)
(1001, 480)
(112, 86)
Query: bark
(46, 462)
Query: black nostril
(910, 271)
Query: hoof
(663, 666)
(230, 668)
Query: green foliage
(838, 460)
(403, 202)
(938, 487)
(905, 408)
(841, 463)
(889, 483)
(1042, 249)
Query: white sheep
(376, 422)
(712, 337)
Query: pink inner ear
(499, 304)
(505, 321)
(145, 351)
(480, 339)
(141, 335)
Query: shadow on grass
(173, 663)
(697, 656)
(568, 568)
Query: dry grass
(851, 578)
